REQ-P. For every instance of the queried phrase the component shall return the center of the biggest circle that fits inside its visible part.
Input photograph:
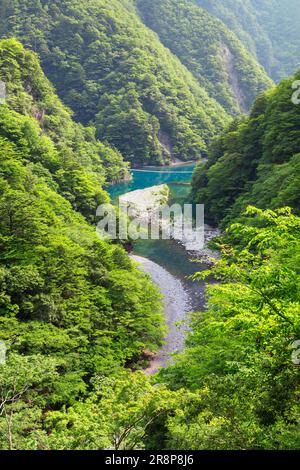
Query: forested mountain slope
(76, 152)
(257, 161)
(269, 28)
(71, 304)
(209, 50)
(112, 70)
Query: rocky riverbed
(182, 296)
(146, 206)
(177, 309)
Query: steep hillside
(111, 70)
(73, 303)
(269, 28)
(256, 161)
(209, 50)
(79, 164)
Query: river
(166, 261)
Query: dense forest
(111, 70)
(90, 88)
(72, 305)
(269, 29)
(209, 50)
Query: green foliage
(239, 355)
(23, 385)
(234, 387)
(268, 28)
(54, 269)
(209, 50)
(40, 231)
(118, 415)
(256, 161)
(113, 71)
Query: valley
(125, 344)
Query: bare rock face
(2, 92)
(166, 145)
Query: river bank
(177, 307)
(168, 262)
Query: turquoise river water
(166, 253)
